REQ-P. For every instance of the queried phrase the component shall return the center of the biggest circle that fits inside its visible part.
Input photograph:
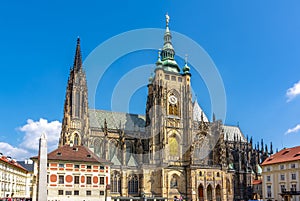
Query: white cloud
(292, 92)
(33, 131)
(293, 130)
(14, 152)
(30, 143)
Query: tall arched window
(173, 109)
(115, 182)
(209, 193)
(77, 104)
(201, 193)
(76, 139)
(113, 149)
(218, 193)
(174, 182)
(173, 147)
(97, 148)
(133, 184)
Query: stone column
(42, 169)
(205, 192)
(124, 186)
(214, 193)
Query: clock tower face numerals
(172, 99)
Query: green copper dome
(186, 69)
(159, 62)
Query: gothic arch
(209, 193)
(218, 193)
(133, 184)
(174, 92)
(174, 148)
(75, 138)
(201, 192)
(113, 149)
(115, 182)
(98, 147)
(174, 133)
(174, 181)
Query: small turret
(159, 63)
(186, 68)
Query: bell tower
(169, 107)
(75, 125)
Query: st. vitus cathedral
(173, 150)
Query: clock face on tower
(172, 99)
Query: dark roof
(136, 122)
(115, 120)
(74, 153)
(28, 166)
(285, 155)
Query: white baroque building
(14, 180)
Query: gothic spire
(76, 105)
(77, 60)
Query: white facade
(13, 178)
(279, 178)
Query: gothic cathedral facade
(173, 151)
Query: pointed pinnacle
(77, 60)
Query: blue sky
(254, 44)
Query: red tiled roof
(74, 153)
(285, 155)
(256, 182)
(12, 162)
